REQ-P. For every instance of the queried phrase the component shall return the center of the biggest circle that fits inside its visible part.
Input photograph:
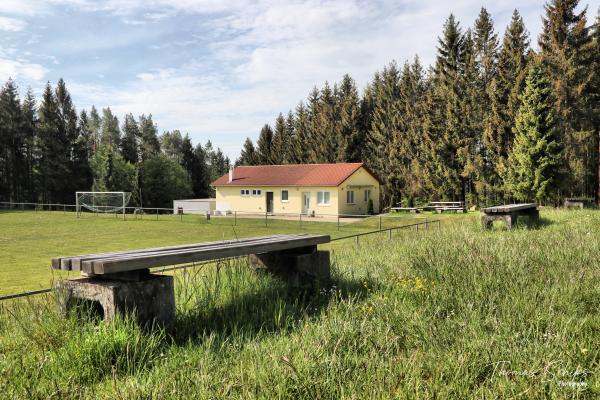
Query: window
(256, 192)
(350, 197)
(284, 195)
(367, 195)
(245, 192)
(323, 198)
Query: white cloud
(12, 24)
(21, 70)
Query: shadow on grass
(527, 222)
(271, 308)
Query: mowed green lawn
(455, 313)
(28, 240)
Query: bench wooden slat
(74, 262)
(87, 264)
(116, 265)
(509, 208)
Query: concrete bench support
(298, 267)
(509, 217)
(151, 298)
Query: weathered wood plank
(74, 262)
(114, 265)
(85, 264)
(509, 208)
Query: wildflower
(419, 283)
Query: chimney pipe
(230, 174)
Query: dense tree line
(491, 121)
(48, 152)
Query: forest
(48, 152)
(492, 121)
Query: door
(305, 202)
(269, 202)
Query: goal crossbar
(103, 202)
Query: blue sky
(219, 70)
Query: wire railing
(425, 224)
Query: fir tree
(505, 88)
(351, 136)
(95, 126)
(300, 144)
(534, 163)
(248, 154)
(565, 44)
(280, 142)
(31, 155)
(129, 142)
(149, 143)
(12, 144)
(264, 145)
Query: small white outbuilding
(194, 206)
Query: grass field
(28, 240)
(455, 313)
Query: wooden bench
(122, 281)
(408, 209)
(441, 210)
(577, 202)
(508, 213)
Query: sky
(219, 70)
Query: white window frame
(287, 194)
(349, 194)
(256, 192)
(367, 195)
(321, 198)
(244, 192)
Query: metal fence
(232, 218)
(425, 225)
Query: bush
(370, 209)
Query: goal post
(102, 202)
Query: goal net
(102, 202)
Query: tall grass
(455, 313)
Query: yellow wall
(230, 199)
(358, 182)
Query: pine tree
(300, 144)
(110, 135)
(447, 133)
(264, 145)
(129, 142)
(12, 144)
(149, 144)
(170, 144)
(595, 100)
(201, 177)
(248, 154)
(54, 150)
(535, 160)
(326, 127)
(280, 144)
(313, 125)
(95, 125)
(565, 44)
(383, 136)
(31, 155)
(351, 136)
(505, 89)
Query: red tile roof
(291, 175)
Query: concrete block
(149, 299)
(296, 269)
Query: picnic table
(122, 281)
(508, 213)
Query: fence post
(157, 214)
(266, 219)
(338, 221)
(426, 224)
(181, 217)
(357, 240)
(235, 218)
(438, 224)
(380, 222)
(300, 220)
(390, 234)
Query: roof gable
(292, 175)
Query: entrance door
(269, 202)
(305, 202)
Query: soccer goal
(102, 202)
